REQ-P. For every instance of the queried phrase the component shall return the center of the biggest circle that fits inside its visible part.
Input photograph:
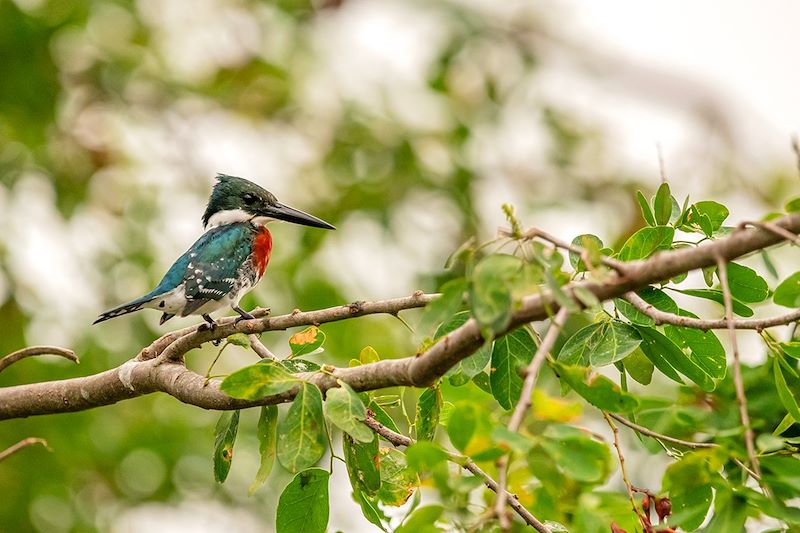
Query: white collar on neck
(232, 216)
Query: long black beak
(295, 216)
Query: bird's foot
(243, 315)
(209, 325)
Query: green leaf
(714, 211)
(259, 380)
(294, 366)
(787, 293)
(716, 296)
(461, 425)
(745, 284)
(382, 416)
(368, 355)
(596, 389)
(592, 244)
(301, 434)
(444, 306)
(639, 367)
(490, 292)
(239, 339)
(576, 454)
(730, 513)
(644, 205)
(473, 365)
(646, 242)
(397, 480)
(370, 509)
(306, 341)
(510, 353)
(303, 506)
(267, 437)
(224, 438)
(345, 410)
(363, 464)
(600, 344)
(784, 393)
(702, 347)
(421, 520)
(689, 484)
(662, 204)
(668, 357)
(429, 405)
(423, 456)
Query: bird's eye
(249, 199)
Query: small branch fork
(159, 367)
(741, 398)
(531, 373)
(401, 440)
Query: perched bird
(227, 261)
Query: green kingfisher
(227, 260)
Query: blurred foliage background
(405, 123)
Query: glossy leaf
(303, 506)
(445, 306)
(461, 425)
(714, 211)
(429, 405)
(646, 242)
(688, 482)
(716, 296)
(490, 291)
(397, 480)
(644, 205)
(578, 455)
(600, 344)
(363, 464)
(639, 367)
(746, 285)
(267, 441)
(662, 205)
(422, 520)
(592, 244)
(787, 293)
(511, 353)
(224, 438)
(702, 347)
(669, 358)
(306, 341)
(596, 389)
(259, 380)
(301, 434)
(784, 393)
(471, 366)
(346, 411)
(368, 355)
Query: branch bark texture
(160, 368)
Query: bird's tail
(123, 309)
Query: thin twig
(31, 351)
(628, 485)
(662, 317)
(258, 347)
(773, 228)
(666, 438)
(401, 440)
(531, 373)
(741, 398)
(535, 233)
(11, 450)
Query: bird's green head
(237, 200)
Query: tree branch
(466, 463)
(663, 317)
(741, 398)
(524, 402)
(11, 450)
(32, 351)
(153, 370)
